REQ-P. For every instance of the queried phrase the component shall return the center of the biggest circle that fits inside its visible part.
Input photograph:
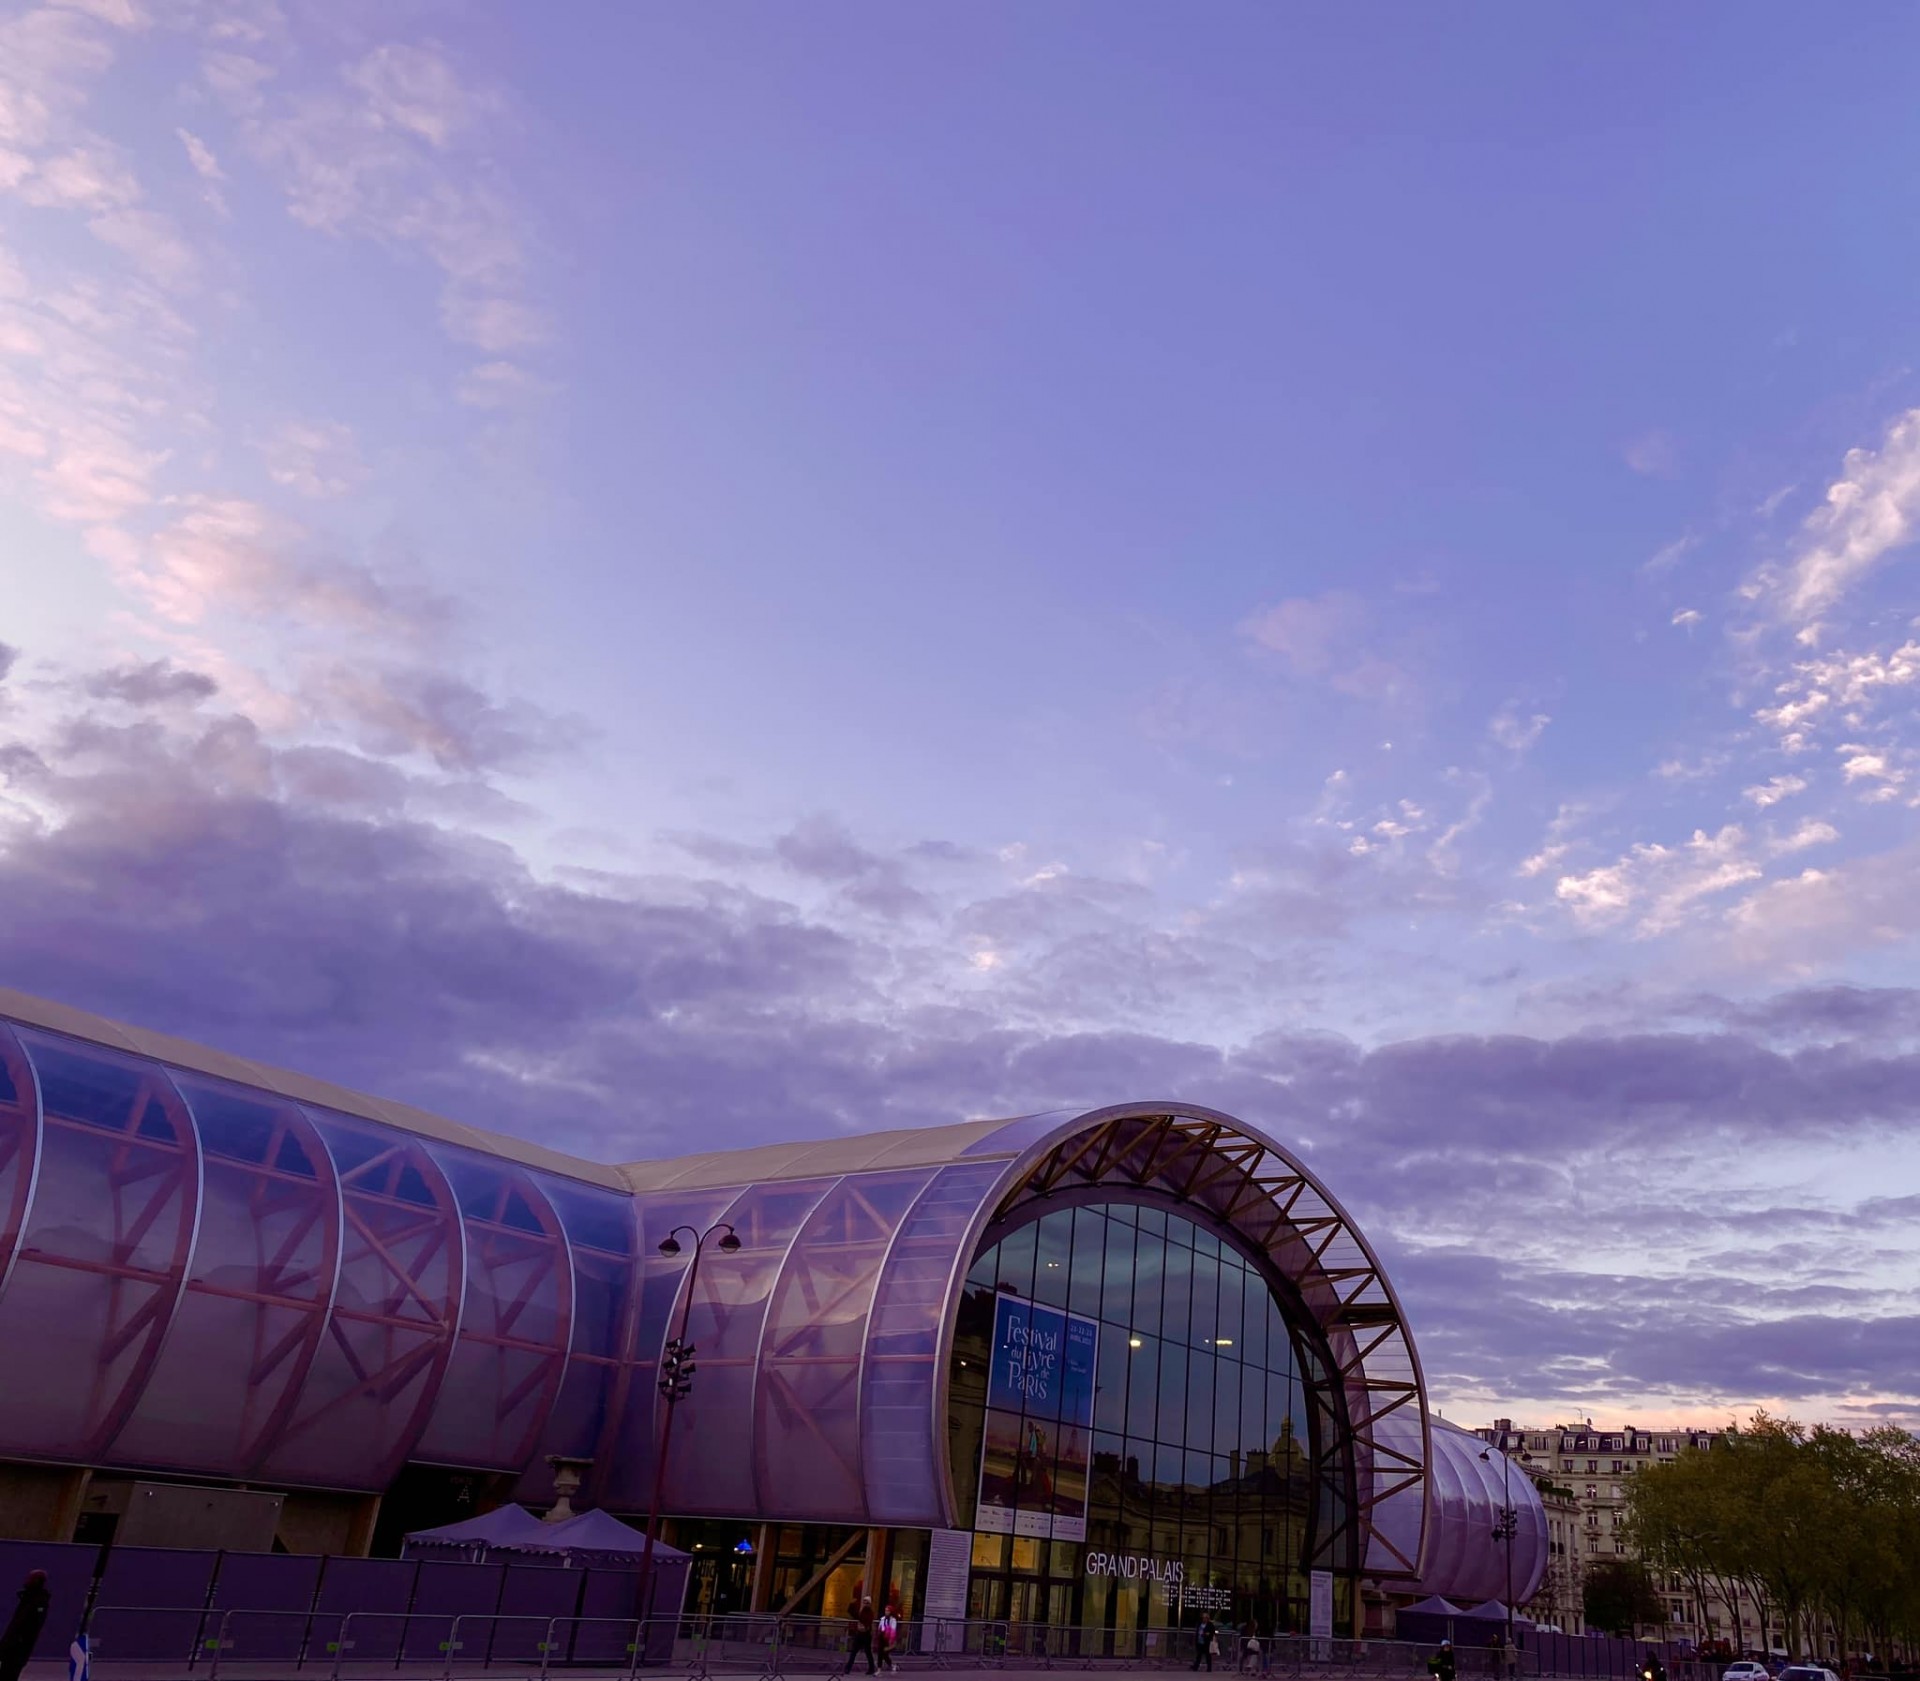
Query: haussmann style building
(1107, 1369)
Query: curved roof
(874, 1235)
(864, 1152)
(1471, 1485)
(427, 1290)
(300, 1088)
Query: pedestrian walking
(22, 1632)
(1441, 1665)
(1206, 1644)
(1249, 1648)
(886, 1638)
(860, 1636)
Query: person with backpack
(22, 1632)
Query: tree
(1820, 1528)
(1681, 1518)
(1619, 1596)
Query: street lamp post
(1505, 1528)
(676, 1382)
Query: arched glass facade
(1196, 1447)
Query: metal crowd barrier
(449, 1646)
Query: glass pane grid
(1196, 1447)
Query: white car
(1807, 1672)
(1747, 1669)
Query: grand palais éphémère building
(1104, 1369)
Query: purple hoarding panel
(612, 1593)
(531, 1595)
(133, 1635)
(607, 1606)
(377, 1592)
(156, 1576)
(446, 1591)
(136, 1578)
(367, 1584)
(267, 1581)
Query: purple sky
(657, 577)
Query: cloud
(414, 88)
(1653, 455)
(1840, 688)
(498, 385)
(1812, 831)
(1509, 729)
(1775, 789)
(87, 178)
(495, 325)
(316, 459)
(47, 56)
(396, 151)
(200, 155)
(299, 905)
(1667, 557)
(1860, 763)
(151, 683)
(153, 242)
(1801, 922)
(1868, 514)
(1688, 617)
(398, 711)
(1657, 887)
(230, 556)
(1321, 638)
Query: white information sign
(949, 1559)
(1320, 1604)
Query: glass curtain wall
(1185, 1484)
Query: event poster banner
(1037, 1456)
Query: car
(1746, 1669)
(1807, 1672)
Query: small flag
(79, 1659)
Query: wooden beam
(857, 1539)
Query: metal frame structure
(1240, 1181)
(399, 1288)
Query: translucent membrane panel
(19, 1145)
(104, 1251)
(1397, 1520)
(807, 1409)
(515, 1324)
(1464, 1561)
(257, 1292)
(623, 1467)
(601, 1229)
(710, 1467)
(903, 1436)
(390, 1331)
